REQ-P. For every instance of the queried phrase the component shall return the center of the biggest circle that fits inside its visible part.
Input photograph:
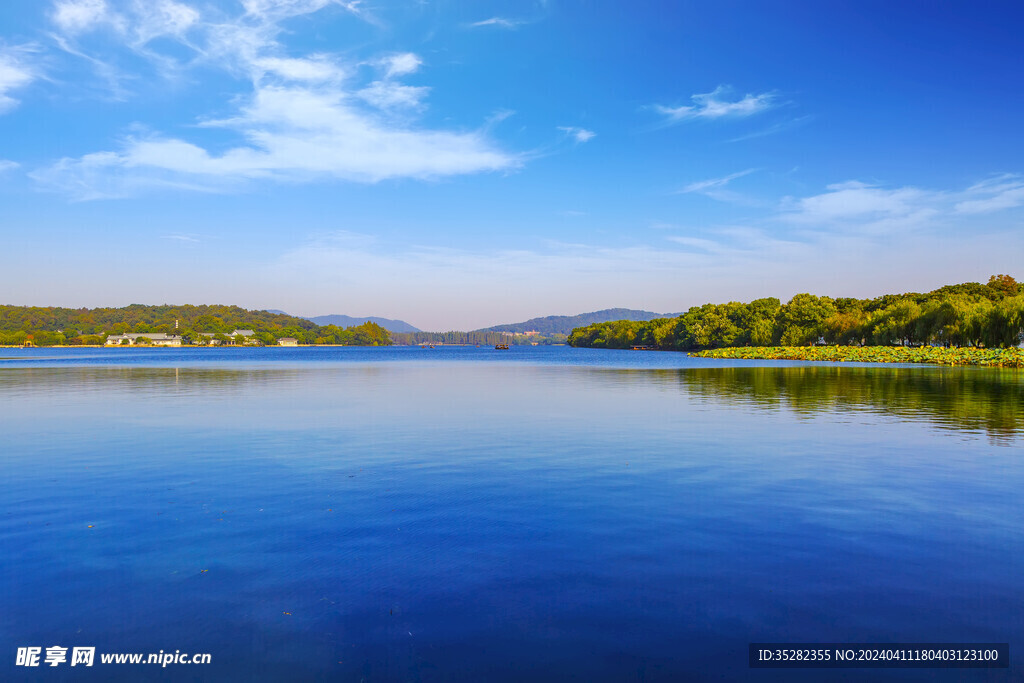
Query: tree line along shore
(955, 317)
(193, 325)
(972, 322)
(216, 325)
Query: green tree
(1004, 284)
(803, 319)
(1004, 324)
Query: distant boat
(501, 347)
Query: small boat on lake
(501, 347)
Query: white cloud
(230, 42)
(704, 186)
(717, 189)
(162, 18)
(714, 105)
(500, 22)
(275, 10)
(578, 134)
(314, 68)
(136, 24)
(14, 74)
(79, 16)
(873, 209)
(870, 207)
(306, 117)
(294, 134)
(400, 64)
(8, 165)
(1002, 192)
(387, 95)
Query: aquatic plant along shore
(1006, 358)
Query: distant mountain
(348, 321)
(564, 324)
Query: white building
(155, 339)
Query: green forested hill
(968, 314)
(94, 320)
(46, 326)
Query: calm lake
(466, 514)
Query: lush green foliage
(969, 314)
(367, 334)
(1009, 358)
(58, 326)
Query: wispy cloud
(868, 207)
(316, 68)
(717, 104)
(294, 134)
(181, 238)
(578, 134)
(1002, 192)
(79, 16)
(8, 165)
(276, 10)
(389, 94)
(138, 23)
(400, 64)
(874, 209)
(715, 188)
(703, 186)
(779, 127)
(305, 117)
(499, 22)
(698, 244)
(15, 72)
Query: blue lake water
(466, 514)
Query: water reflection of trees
(990, 400)
(979, 399)
(149, 380)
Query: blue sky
(463, 164)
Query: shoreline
(1002, 358)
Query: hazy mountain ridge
(349, 321)
(564, 324)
